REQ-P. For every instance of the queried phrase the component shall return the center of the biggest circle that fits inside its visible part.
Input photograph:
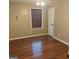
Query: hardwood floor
(41, 47)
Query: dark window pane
(36, 18)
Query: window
(36, 15)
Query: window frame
(39, 28)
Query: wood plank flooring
(40, 47)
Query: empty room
(38, 29)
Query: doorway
(51, 13)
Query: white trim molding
(61, 40)
(28, 36)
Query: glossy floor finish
(41, 47)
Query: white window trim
(40, 28)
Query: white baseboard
(60, 40)
(28, 36)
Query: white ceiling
(30, 1)
(33, 2)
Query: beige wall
(61, 30)
(23, 27)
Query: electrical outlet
(60, 34)
(30, 31)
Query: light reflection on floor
(37, 48)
